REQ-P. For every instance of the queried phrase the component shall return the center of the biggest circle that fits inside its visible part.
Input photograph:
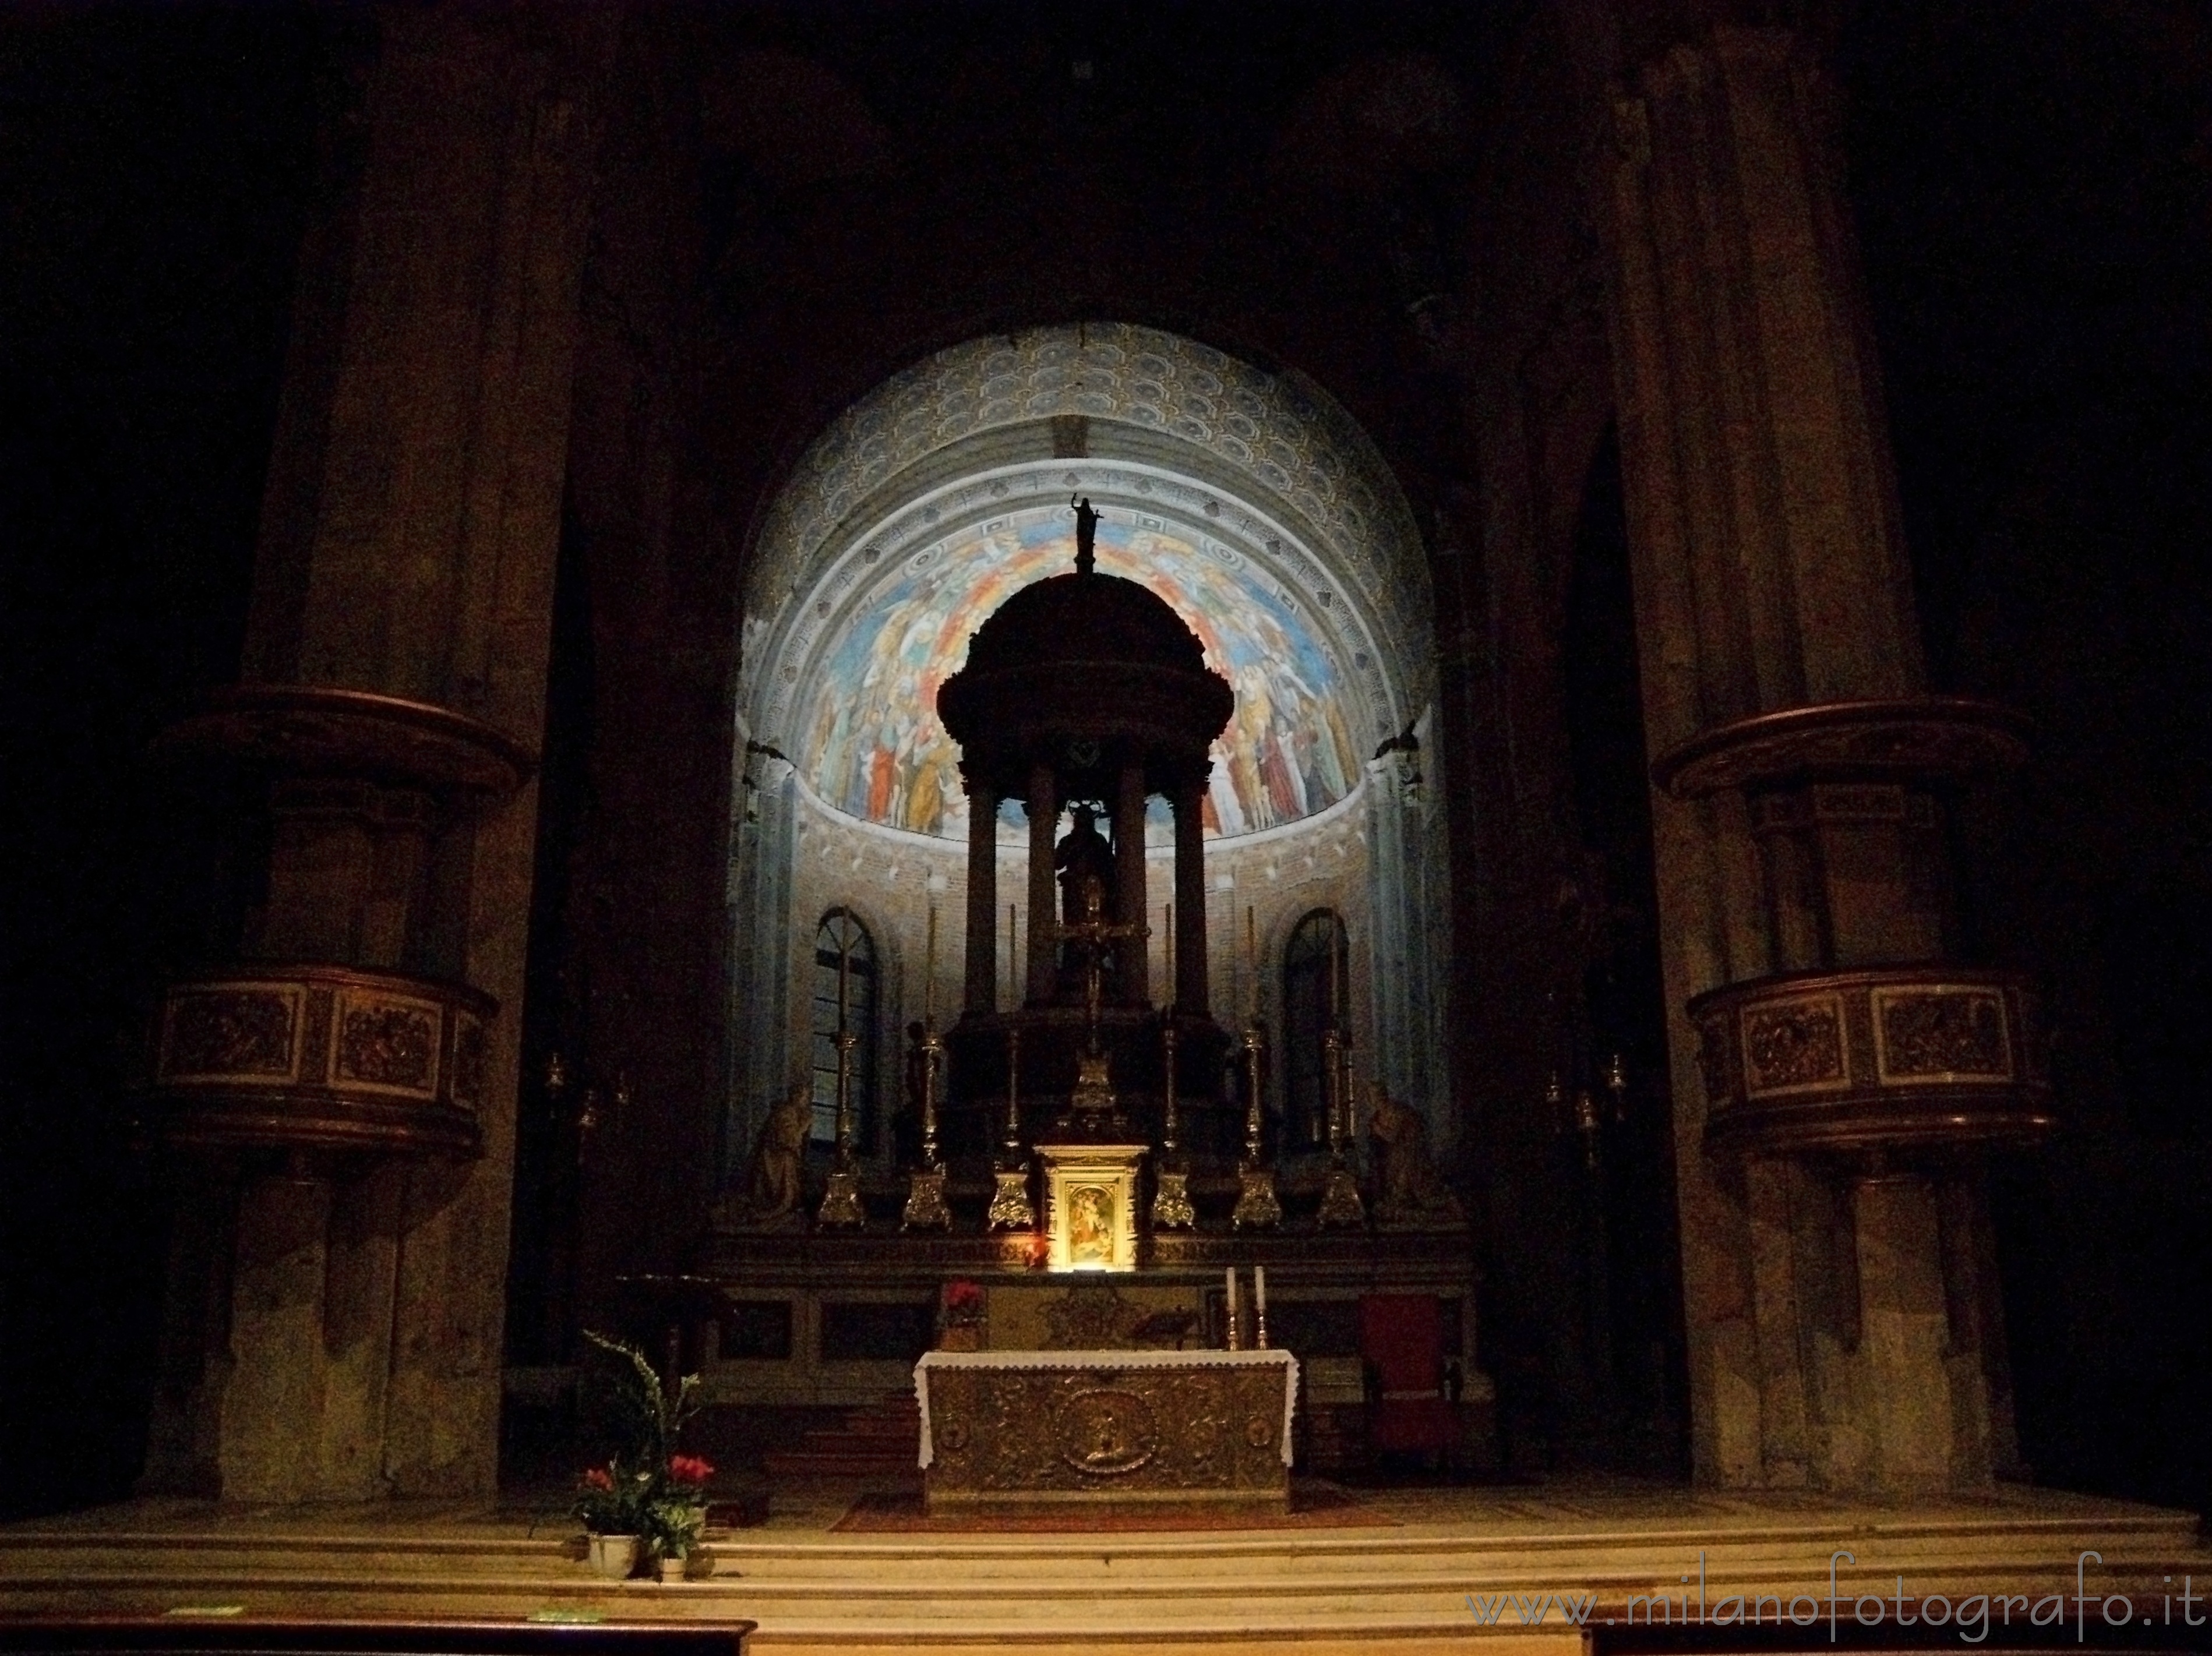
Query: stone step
(803, 1583)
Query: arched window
(1313, 977)
(844, 975)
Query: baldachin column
(1044, 910)
(982, 990)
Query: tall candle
(1334, 944)
(844, 976)
(1252, 954)
(1260, 1289)
(929, 970)
(1232, 1308)
(1014, 958)
(1167, 931)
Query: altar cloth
(1001, 1426)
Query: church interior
(1407, 796)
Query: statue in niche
(1084, 854)
(1412, 1191)
(774, 1188)
(1085, 862)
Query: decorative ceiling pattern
(869, 740)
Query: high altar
(1009, 1426)
(1090, 1159)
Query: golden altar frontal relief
(1091, 1205)
(1013, 1427)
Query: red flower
(962, 1296)
(690, 1469)
(598, 1478)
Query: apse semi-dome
(1245, 502)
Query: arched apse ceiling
(1249, 501)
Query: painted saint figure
(1089, 1225)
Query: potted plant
(610, 1505)
(961, 1318)
(678, 1519)
(648, 1503)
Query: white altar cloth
(1270, 1358)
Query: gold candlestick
(1257, 1202)
(925, 1191)
(1340, 1203)
(1168, 1125)
(1172, 1209)
(840, 1201)
(1255, 1045)
(932, 1060)
(1010, 1207)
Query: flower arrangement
(645, 1489)
(960, 1318)
(963, 1304)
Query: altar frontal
(1016, 1427)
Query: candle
(1260, 1289)
(1332, 942)
(1231, 1275)
(1014, 957)
(1168, 931)
(929, 970)
(844, 975)
(1252, 954)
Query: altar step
(1404, 1575)
(874, 1439)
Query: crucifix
(1093, 1094)
(1093, 933)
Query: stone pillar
(1192, 996)
(398, 635)
(1044, 906)
(1771, 584)
(1929, 1431)
(982, 987)
(1134, 962)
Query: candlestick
(1013, 1140)
(846, 1041)
(1332, 1088)
(1235, 1334)
(1169, 1127)
(933, 1053)
(1260, 1289)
